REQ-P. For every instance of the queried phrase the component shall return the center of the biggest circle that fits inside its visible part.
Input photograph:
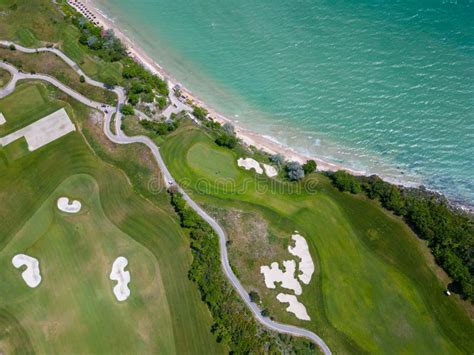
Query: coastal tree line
(142, 86)
(448, 232)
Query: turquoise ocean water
(384, 87)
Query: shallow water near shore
(379, 87)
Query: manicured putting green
(221, 166)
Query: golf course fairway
(73, 309)
(373, 289)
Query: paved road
(121, 138)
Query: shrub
(228, 128)
(12, 47)
(161, 101)
(277, 159)
(127, 110)
(295, 171)
(160, 128)
(82, 79)
(345, 182)
(309, 167)
(200, 113)
(254, 297)
(227, 140)
(265, 313)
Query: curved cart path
(121, 138)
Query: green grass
(28, 103)
(49, 63)
(76, 254)
(74, 310)
(4, 77)
(373, 289)
(47, 25)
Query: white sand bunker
(249, 163)
(43, 131)
(271, 171)
(274, 274)
(67, 206)
(122, 277)
(301, 250)
(295, 307)
(2, 119)
(31, 275)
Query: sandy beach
(247, 136)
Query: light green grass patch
(4, 77)
(15, 150)
(221, 166)
(26, 37)
(28, 103)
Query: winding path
(121, 138)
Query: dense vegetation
(233, 322)
(140, 83)
(450, 234)
(159, 127)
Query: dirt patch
(251, 244)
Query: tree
(254, 297)
(110, 81)
(133, 99)
(82, 79)
(227, 140)
(228, 128)
(309, 167)
(12, 47)
(345, 181)
(265, 313)
(127, 110)
(277, 159)
(161, 101)
(200, 113)
(295, 171)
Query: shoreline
(247, 136)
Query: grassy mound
(373, 289)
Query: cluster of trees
(141, 83)
(200, 112)
(104, 42)
(160, 128)
(450, 234)
(294, 170)
(345, 181)
(227, 137)
(127, 110)
(233, 324)
(143, 78)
